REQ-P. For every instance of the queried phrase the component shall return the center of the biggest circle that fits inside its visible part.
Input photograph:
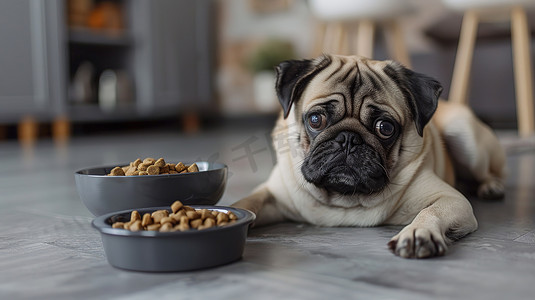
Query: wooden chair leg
(463, 59)
(28, 130)
(61, 129)
(396, 43)
(191, 123)
(328, 39)
(3, 132)
(319, 38)
(334, 35)
(343, 48)
(365, 34)
(522, 68)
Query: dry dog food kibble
(182, 218)
(117, 171)
(151, 166)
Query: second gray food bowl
(103, 194)
(155, 251)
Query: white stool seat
(463, 5)
(348, 26)
(350, 10)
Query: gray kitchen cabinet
(30, 60)
(166, 48)
(175, 42)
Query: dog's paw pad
(492, 189)
(417, 243)
(424, 247)
(405, 248)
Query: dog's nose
(348, 139)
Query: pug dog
(362, 142)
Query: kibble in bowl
(181, 218)
(176, 250)
(151, 166)
(103, 194)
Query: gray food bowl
(103, 194)
(154, 251)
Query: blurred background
(86, 83)
(70, 68)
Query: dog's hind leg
(473, 147)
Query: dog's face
(353, 116)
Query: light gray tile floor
(49, 250)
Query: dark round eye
(384, 129)
(317, 121)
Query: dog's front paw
(414, 242)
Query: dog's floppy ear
(293, 76)
(421, 92)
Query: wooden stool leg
(191, 122)
(463, 59)
(3, 132)
(523, 74)
(328, 39)
(319, 38)
(365, 34)
(28, 130)
(334, 34)
(396, 43)
(343, 40)
(61, 129)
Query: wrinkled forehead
(355, 81)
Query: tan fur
(421, 195)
